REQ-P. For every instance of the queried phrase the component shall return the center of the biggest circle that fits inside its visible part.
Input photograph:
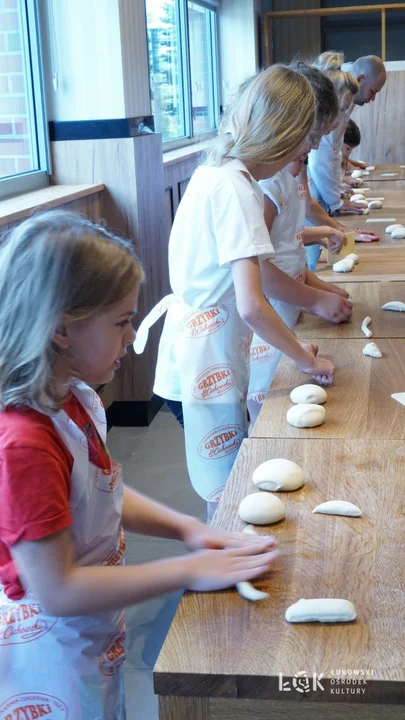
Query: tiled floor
(154, 464)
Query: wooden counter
(367, 299)
(379, 174)
(374, 265)
(223, 656)
(359, 404)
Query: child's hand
(323, 371)
(309, 347)
(336, 240)
(353, 182)
(330, 287)
(202, 537)
(220, 569)
(350, 208)
(334, 307)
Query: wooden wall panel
(382, 125)
(177, 174)
(298, 36)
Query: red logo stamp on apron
(301, 192)
(113, 652)
(300, 275)
(283, 205)
(258, 397)
(108, 482)
(222, 441)
(213, 382)
(260, 353)
(33, 705)
(215, 495)
(116, 555)
(204, 322)
(22, 623)
(298, 241)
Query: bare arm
(324, 235)
(313, 211)
(142, 515)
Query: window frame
(190, 138)
(34, 179)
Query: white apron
(71, 668)
(288, 194)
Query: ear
(360, 78)
(60, 336)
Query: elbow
(250, 312)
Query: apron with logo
(286, 236)
(71, 668)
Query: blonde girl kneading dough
(63, 505)
(218, 242)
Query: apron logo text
(214, 381)
(222, 441)
(204, 322)
(20, 624)
(31, 706)
(258, 353)
(113, 652)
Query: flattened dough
(321, 610)
(278, 474)
(372, 350)
(338, 507)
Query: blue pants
(313, 252)
(176, 407)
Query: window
(182, 39)
(23, 144)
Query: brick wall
(16, 151)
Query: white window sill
(172, 156)
(21, 206)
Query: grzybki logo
(261, 352)
(204, 322)
(220, 442)
(33, 705)
(213, 382)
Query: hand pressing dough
(375, 204)
(370, 168)
(249, 592)
(364, 211)
(306, 415)
(357, 174)
(391, 228)
(278, 474)
(338, 507)
(364, 327)
(321, 610)
(398, 234)
(354, 257)
(361, 203)
(345, 265)
(395, 305)
(357, 196)
(308, 394)
(261, 508)
(372, 350)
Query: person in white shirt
(218, 244)
(355, 84)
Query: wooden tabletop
(359, 404)
(367, 299)
(220, 645)
(375, 265)
(379, 173)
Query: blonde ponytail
(329, 61)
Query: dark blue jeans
(176, 407)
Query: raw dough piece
(249, 592)
(370, 168)
(278, 474)
(249, 530)
(338, 507)
(364, 327)
(321, 610)
(391, 228)
(365, 211)
(365, 172)
(372, 350)
(375, 204)
(354, 257)
(361, 203)
(398, 234)
(345, 265)
(357, 174)
(399, 397)
(396, 305)
(261, 508)
(306, 415)
(357, 196)
(308, 394)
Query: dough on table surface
(353, 256)
(372, 350)
(345, 265)
(321, 610)
(399, 397)
(398, 234)
(375, 204)
(396, 305)
(278, 474)
(391, 228)
(249, 592)
(357, 173)
(370, 168)
(308, 393)
(338, 507)
(364, 327)
(357, 196)
(261, 508)
(306, 415)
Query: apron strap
(152, 317)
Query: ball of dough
(375, 204)
(278, 474)
(391, 228)
(345, 265)
(357, 173)
(398, 234)
(357, 196)
(304, 394)
(306, 416)
(261, 508)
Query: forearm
(266, 323)
(315, 235)
(148, 517)
(280, 286)
(313, 281)
(317, 215)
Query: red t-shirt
(35, 480)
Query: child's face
(96, 345)
(346, 151)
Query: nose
(129, 336)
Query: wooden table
(374, 265)
(377, 174)
(223, 656)
(359, 404)
(367, 299)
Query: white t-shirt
(219, 220)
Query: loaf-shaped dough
(398, 234)
(391, 228)
(345, 265)
(364, 327)
(357, 196)
(249, 592)
(306, 415)
(308, 393)
(375, 204)
(395, 305)
(372, 350)
(321, 610)
(357, 174)
(370, 168)
(278, 474)
(261, 508)
(353, 256)
(338, 507)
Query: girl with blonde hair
(68, 291)
(218, 243)
(324, 164)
